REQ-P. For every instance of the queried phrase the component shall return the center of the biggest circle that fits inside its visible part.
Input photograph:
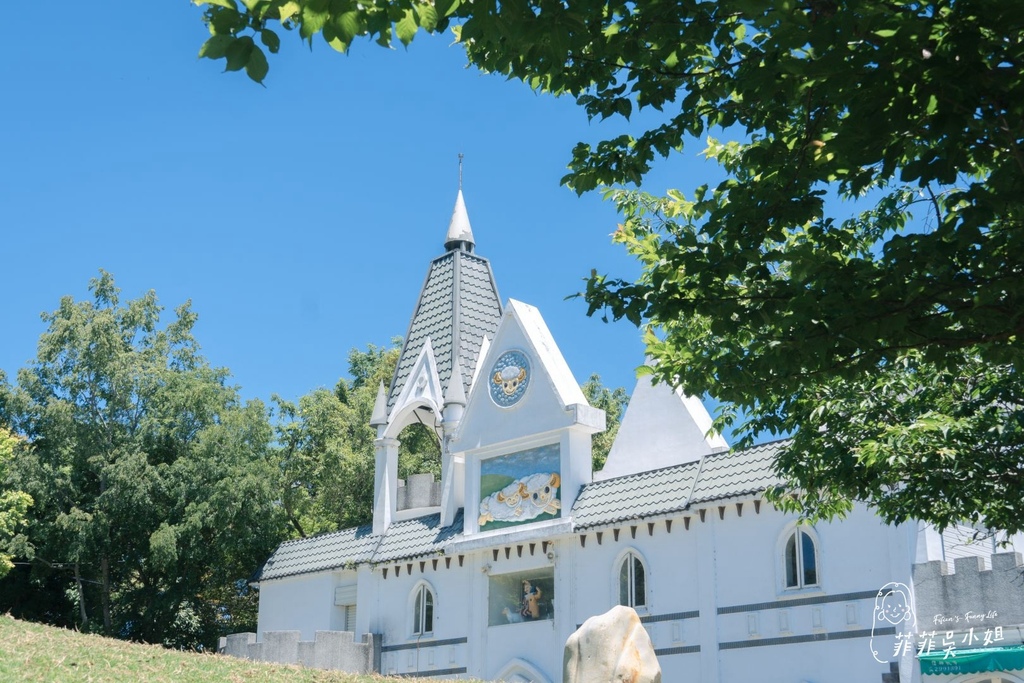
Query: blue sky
(299, 218)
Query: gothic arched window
(801, 559)
(423, 610)
(632, 581)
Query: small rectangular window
(521, 596)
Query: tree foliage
(613, 402)
(14, 504)
(866, 239)
(150, 478)
(327, 447)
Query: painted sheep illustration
(541, 492)
(522, 500)
(509, 379)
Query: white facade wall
(392, 615)
(716, 606)
(723, 563)
(736, 561)
(303, 603)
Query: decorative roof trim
(456, 394)
(422, 386)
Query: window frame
(501, 587)
(633, 557)
(796, 533)
(422, 602)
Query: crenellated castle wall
(970, 595)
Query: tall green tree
(327, 451)
(613, 402)
(151, 481)
(326, 463)
(14, 504)
(867, 230)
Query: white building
(487, 572)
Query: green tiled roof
(634, 496)
(458, 306)
(735, 473)
(403, 540)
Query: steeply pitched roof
(459, 229)
(458, 306)
(610, 501)
(662, 427)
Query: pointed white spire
(459, 230)
(456, 394)
(380, 408)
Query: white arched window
(632, 581)
(800, 559)
(422, 610)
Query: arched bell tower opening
(419, 451)
(419, 437)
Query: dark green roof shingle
(457, 308)
(318, 553)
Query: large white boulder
(611, 648)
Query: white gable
(538, 395)
(661, 428)
(422, 387)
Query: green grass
(32, 652)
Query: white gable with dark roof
(457, 309)
(549, 390)
(665, 427)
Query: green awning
(974, 661)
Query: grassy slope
(31, 652)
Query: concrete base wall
(335, 650)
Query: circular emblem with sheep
(509, 378)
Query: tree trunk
(83, 615)
(105, 569)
